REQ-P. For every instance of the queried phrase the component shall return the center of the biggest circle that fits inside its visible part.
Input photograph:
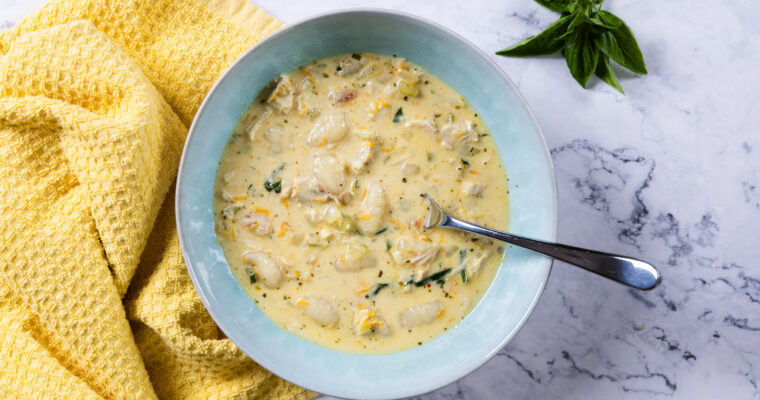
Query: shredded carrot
(366, 217)
(307, 73)
(260, 210)
(298, 273)
(439, 314)
(284, 201)
(473, 172)
(239, 198)
(364, 194)
(302, 302)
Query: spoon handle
(626, 270)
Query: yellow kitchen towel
(95, 302)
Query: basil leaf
(546, 42)
(559, 5)
(620, 44)
(598, 22)
(581, 55)
(604, 72)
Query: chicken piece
(470, 188)
(373, 208)
(365, 154)
(473, 266)
(349, 66)
(283, 94)
(367, 321)
(305, 189)
(322, 311)
(412, 251)
(329, 128)
(357, 257)
(258, 223)
(329, 215)
(330, 174)
(278, 138)
(419, 125)
(265, 267)
(370, 71)
(420, 314)
(455, 133)
(409, 169)
(259, 124)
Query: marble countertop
(669, 173)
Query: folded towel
(95, 302)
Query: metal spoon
(629, 271)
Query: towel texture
(95, 302)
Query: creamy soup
(318, 203)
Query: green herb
(388, 245)
(450, 118)
(463, 272)
(588, 37)
(438, 277)
(346, 224)
(276, 186)
(251, 275)
(465, 162)
(274, 182)
(381, 231)
(399, 115)
(378, 288)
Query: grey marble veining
(669, 173)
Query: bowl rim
(422, 389)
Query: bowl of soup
(300, 205)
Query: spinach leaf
(398, 116)
(378, 288)
(274, 182)
(251, 275)
(438, 277)
(381, 231)
(275, 186)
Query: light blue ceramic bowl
(533, 207)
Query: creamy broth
(318, 203)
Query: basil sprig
(588, 37)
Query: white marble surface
(668, 173)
